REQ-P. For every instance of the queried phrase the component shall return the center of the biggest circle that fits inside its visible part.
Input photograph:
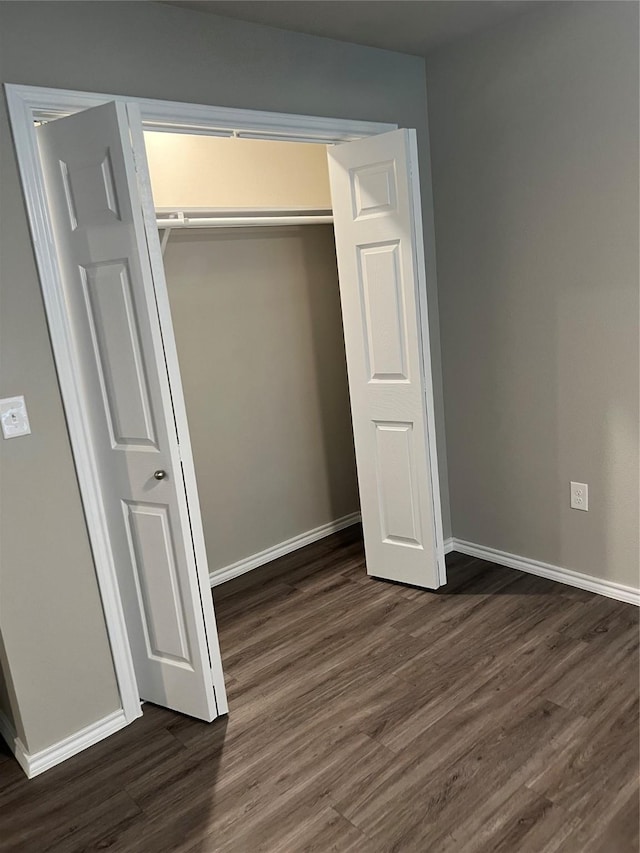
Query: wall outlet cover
(580, 496)
(14, 417)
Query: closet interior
(250, 264)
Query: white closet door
(103, 251)
(376, 208)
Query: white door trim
(28, 104)
(43, 103)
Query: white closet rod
(243, 221)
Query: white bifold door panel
(376, 209)
(96, 201)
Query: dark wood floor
(500, 714)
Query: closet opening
(114, 322)
(250, 265)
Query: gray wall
(257, 320)
(50, 615)
(5, 703)
(534, 140)
(7, 698)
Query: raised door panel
(384, 309)
(118, 356)
(373, 189)
(90, 194)
(160, 597)
(396, 481)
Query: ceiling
(407, 26)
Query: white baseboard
(34, 763)
(226, 573)
(610, 589)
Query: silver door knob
(160, 475)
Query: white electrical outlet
(14, 417)
(580, 496)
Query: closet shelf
(240, 218)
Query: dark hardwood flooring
(499, 714)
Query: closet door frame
(30, 104)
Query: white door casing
(374, 189)
(103, 250)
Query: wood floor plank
(616, 661)
(616, 828)
(317, 831)
(497, 714)
(525, 819)
(420, 801)
(592, 770)
(461, 711)
(75, 832)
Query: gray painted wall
(257, 320)
(50, 615)
(11, 719)
(534, 140)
